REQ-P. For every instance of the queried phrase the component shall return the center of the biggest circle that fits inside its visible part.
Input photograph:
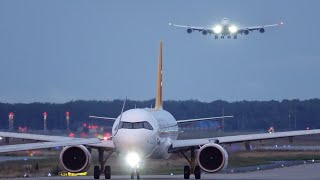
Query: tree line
(248, 115)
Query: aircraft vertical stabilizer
(159, 80)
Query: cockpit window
(138, 125)
(135, 125)
(147, 125)
(126, 125)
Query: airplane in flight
(138, 134)
(226, 28)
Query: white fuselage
(225, 23)
(130, 135)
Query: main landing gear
(97, 170)
(229, 37)
(192, 168)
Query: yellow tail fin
(159, 81)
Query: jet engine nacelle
(212, 158)
(204, 32)
(246, 32)
(261, 30)
(189, 30)
(75, 158)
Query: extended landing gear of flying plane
(99, 169)
(192, 169)
(229, 37)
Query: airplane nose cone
(141, 141)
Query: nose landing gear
(135, 171)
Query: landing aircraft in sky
(138, 134)
(226, 28)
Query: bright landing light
(233, 29)
(217, 29)
(133, 159)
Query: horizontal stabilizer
(202, 119)
(99, 117)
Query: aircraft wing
(253, 28)
(36, 137)
(48, 141)
(181, 144)
(43, 145)
(210, 31)
(193, 28)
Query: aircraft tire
(138, 175)
(96, 172)
(197, 172)
(107, 172)
(186, 171)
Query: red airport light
(67, 113)
(106, 136)
(44, 113)
(83, 135)
(11, 114)
(71, 134)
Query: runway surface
(306, 171)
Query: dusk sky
(58, 51)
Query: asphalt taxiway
(305, 171)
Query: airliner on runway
(226, 28)
(138, 134)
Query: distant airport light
(71, 134)
(107, 135)
(11, 115)
(217, 29)
(68, 120)
(45, 115)
(83, 135)
(233, 29)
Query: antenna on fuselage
(158, 104)
(123, 105)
